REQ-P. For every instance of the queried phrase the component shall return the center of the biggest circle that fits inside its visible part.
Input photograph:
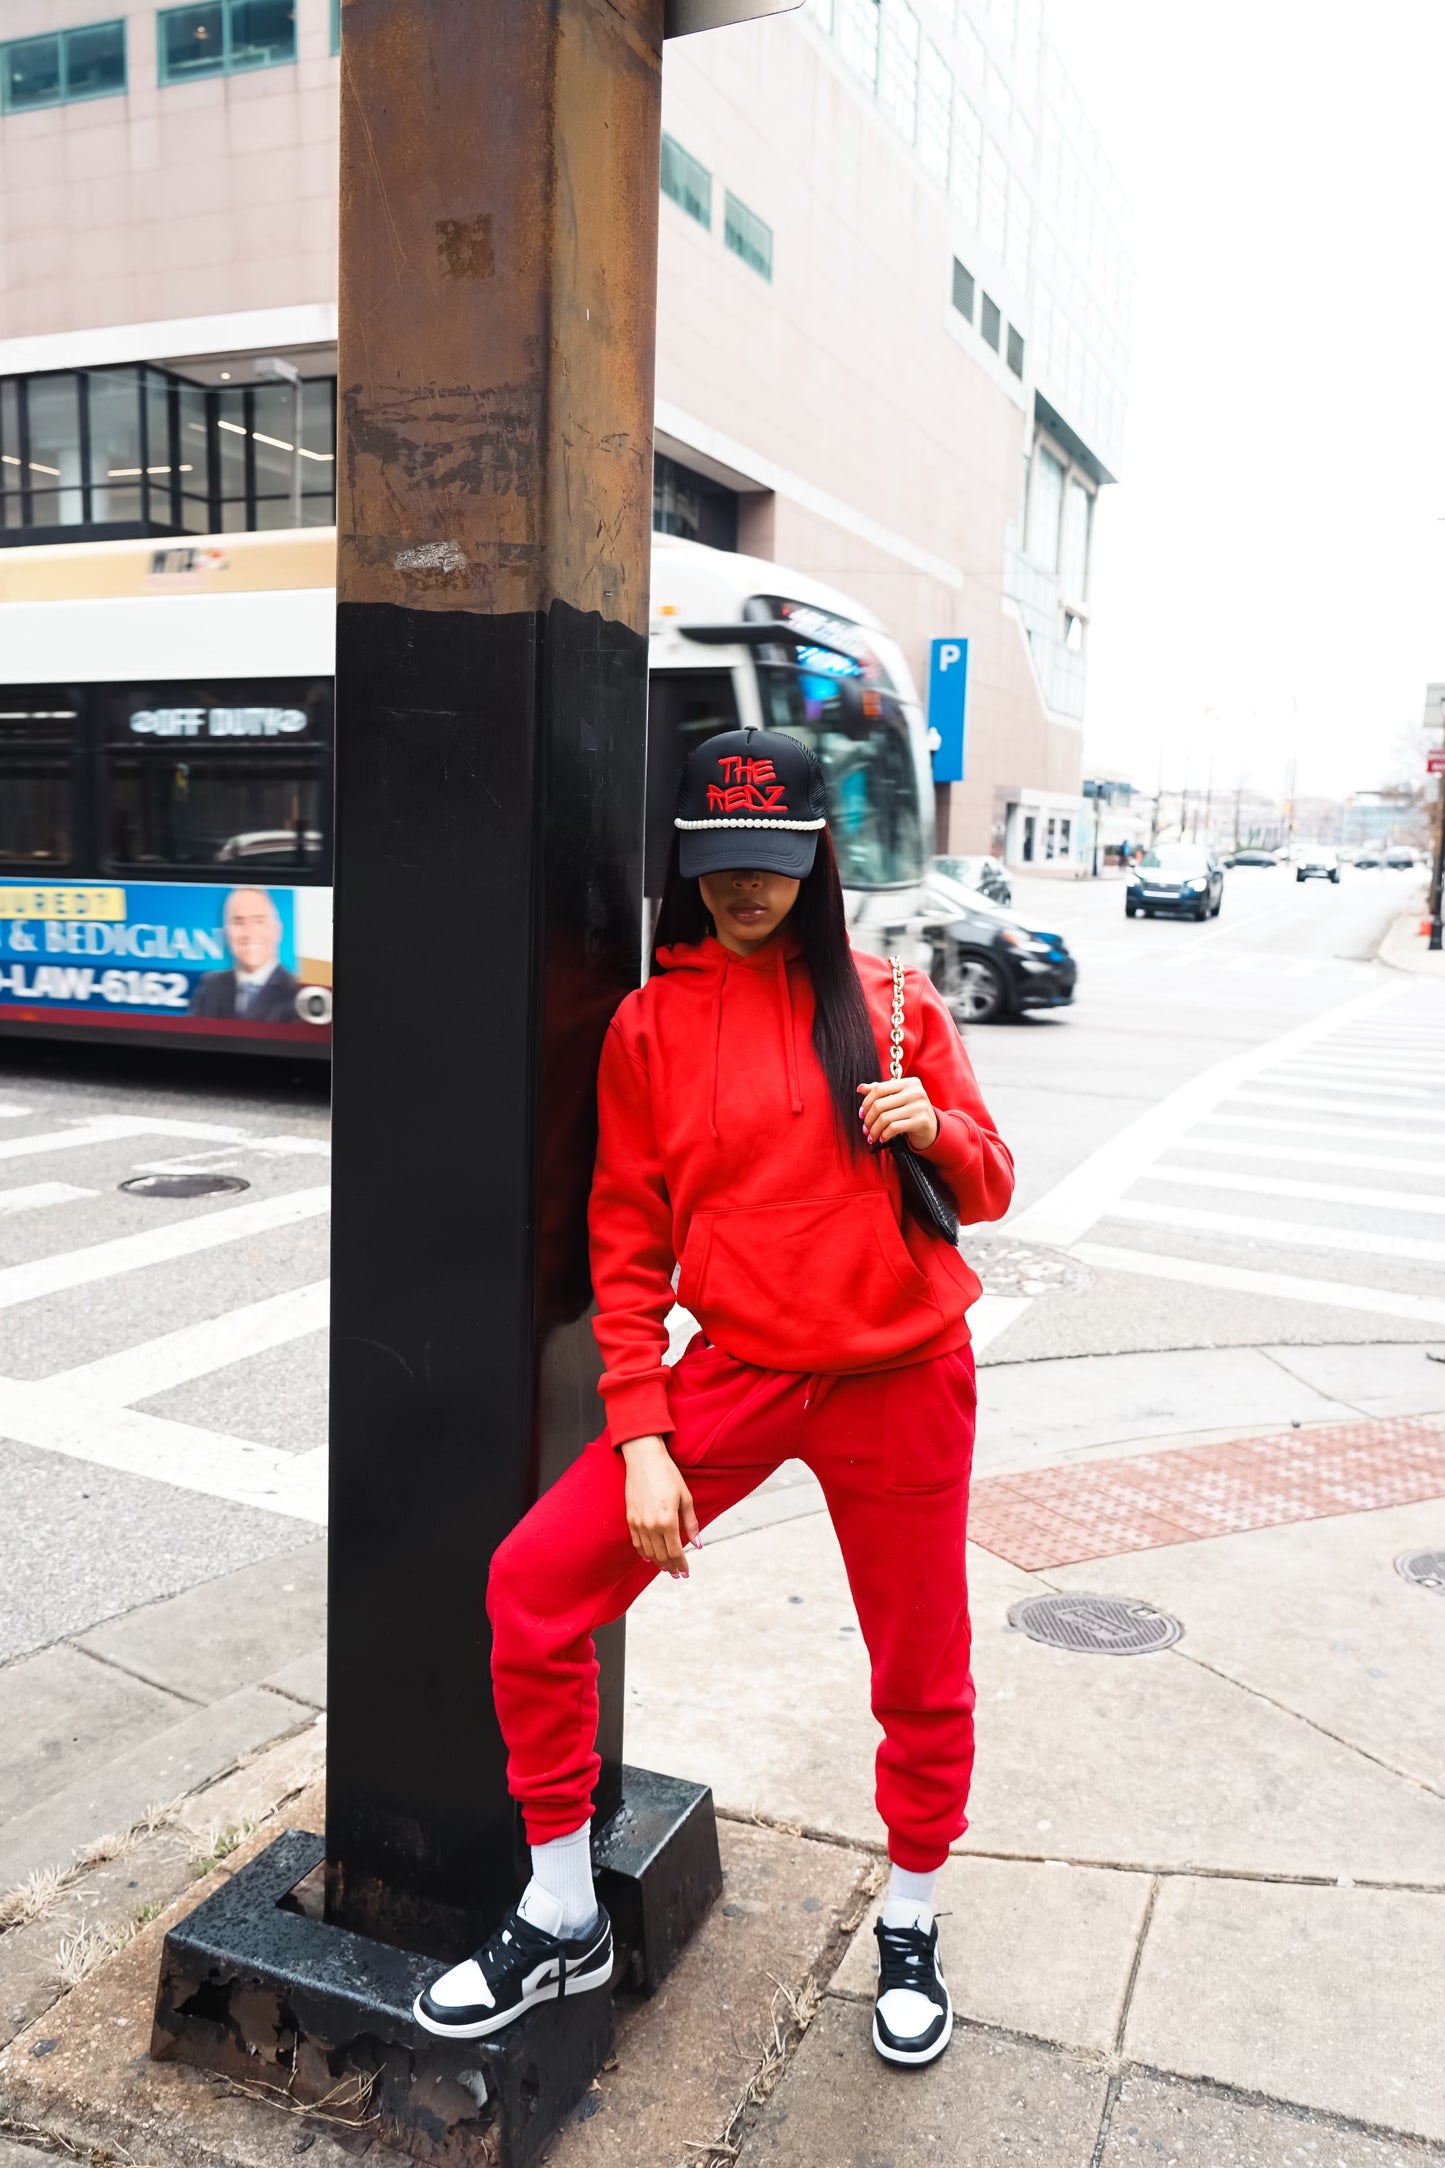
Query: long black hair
(842, 1034)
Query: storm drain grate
(183, 1185)
(1024, 1268)
(1095, 1625)
(1426, 1569)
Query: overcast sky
(1274, 550)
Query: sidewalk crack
(142, 1678)
(1351, 1746)
(1111, 2095)
(1127, 1999)
(1270, 1355)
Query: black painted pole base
(256, 1985)
(657, 1869)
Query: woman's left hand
(893, 1110)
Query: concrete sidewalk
(1405, 947)
(1199, 1915)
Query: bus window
(683, 708)
(860, 734)
(37, 745)
(218, 776)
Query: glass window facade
(935, 113)
(748, 236)
(691, 504)
(65, 65)
(1074, 561)
(962, 290)
(1046, 503)
(898, 66)
(687, 183)
(856, 29)
(219, 37)
(137, 450)
(993, 204)
(963, 168)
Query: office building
(892, 316)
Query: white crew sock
(560, 1898)
(909, 1902)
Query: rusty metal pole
(498, 254)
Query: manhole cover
(1095, 1625)
(182, 1185)
(1425, 1568)
(1023, 1268)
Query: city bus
(166, 731)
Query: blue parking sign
(948, 707)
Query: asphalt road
(162, 1404)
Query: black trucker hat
(750, 798)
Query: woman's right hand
(660, 1519)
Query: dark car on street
(1317, 864)
(1251, 858)
(989, 965)
(1184, 879)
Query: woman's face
(747, 907)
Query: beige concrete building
(892, 309)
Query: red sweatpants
(891, 1449)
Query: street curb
(1402, 947)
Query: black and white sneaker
(913, 2017)
(521, 1965)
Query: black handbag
(925, 1195)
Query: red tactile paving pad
(1061, 1516)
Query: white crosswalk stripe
(1359, 1099)
(1315, 1155)
(1308, 1103)
(1280, 1185)
(35, 1196)
(158, 1245)
(89, 1412)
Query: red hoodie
(718, 1150)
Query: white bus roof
(709, 587)
(237, 606)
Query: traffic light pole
(499, 192)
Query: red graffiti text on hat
(749, 786)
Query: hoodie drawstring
(716, 1047)
(790, 1051)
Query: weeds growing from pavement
(32, 1898)
(218, 1844)
(80, 1953)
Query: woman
(741, 1135)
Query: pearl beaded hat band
(750, 798)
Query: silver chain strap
(895, 1034)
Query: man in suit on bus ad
(258, 988)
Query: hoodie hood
(774, 960)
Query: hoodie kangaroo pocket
(815, 1284)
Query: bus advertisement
(246, 964)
